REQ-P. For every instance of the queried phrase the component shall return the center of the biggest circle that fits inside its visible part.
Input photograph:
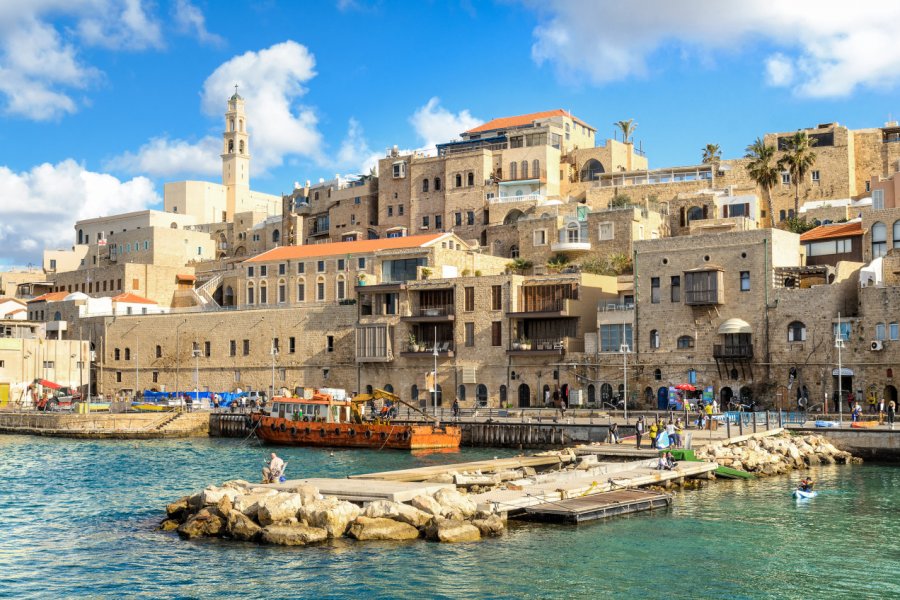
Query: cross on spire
(235, 89)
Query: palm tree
(798, 159)
(763, 170)
(712, 155)
(627, 128)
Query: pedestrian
(872, 403)
(639, 431)
(547, 396)
(857, 410)
(653, 431)
(891, 412)
(851, 399)
(613, 437)
(556, 397)
(189, 404)
(881, 407)
(670, 430)
(456, 408)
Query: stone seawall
(106, 425)
(774, 455)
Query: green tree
(558, 262)
(519, 265)
(620, 200)
(763, 170)
(627, 128)
(798, 159)
(712, 155)
(798, 225)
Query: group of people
(666, 462)
(886, 412)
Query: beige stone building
(340, 210)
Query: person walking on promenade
(670, 430)
(857, 410)
(456, 409)
(639, 431)
(881, 408)
(891, 412)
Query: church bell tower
(236, 157)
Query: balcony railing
(434, 311)
(535, 197)
(612, 306)
(445, 348)
(555, 345)
(742, 351)
(654, 177)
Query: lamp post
(624, 349)
(274, 353)
(197, 375)
(435, 355)
(839, 344)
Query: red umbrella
(685, 387)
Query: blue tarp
(225, 398)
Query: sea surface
(78, 520)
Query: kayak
(801, 495)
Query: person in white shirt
(275, 469)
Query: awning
(845, 372)
(735, 326)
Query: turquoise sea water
(78, 518)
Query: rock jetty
(300, 516)
(774, 455)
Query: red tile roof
(837, 230)
(50, 297)
(130, 298)
(345, 248)
(519, 120)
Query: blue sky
(102, 101)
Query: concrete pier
(106, 425)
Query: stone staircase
(204, 293)
(183, 424)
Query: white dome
(76, 296)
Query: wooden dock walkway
(598, 506)
(616, 451)
(484, 466)
(363, 490)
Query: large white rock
(397, 511)
(280, 508)
(427, 504)
(292, 535)
(454, 503)
(452, 530)
(365, 528)
(214, 494)
(330, 514)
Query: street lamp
(274, 354)
(839, 344)
(435, 354)
(624, 349)
(197, 375)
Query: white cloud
(822, 48)
(162, 157)
(40, 206)
(435, 124)
(355, 153)
(189, 18)
(119, 24)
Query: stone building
(340, 210)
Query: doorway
(524, 396)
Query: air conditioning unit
(876, 346)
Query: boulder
(452, 530)
(179, 510)
(330, 514)
(202, 524)
(241, 527)
(281, 507)
(213, 494)
(169, 525)
(442, 478)
(308, 493)
(397, 511)
(427, 504)
(293, 535)
(490, 526)
(365, 528)
(238, 484)
(249, 503)
(454, 503)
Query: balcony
(57, 325)
(431, 314)
(576, 245)
(739, 352)
(531, 197)
(702, 297)
(553, 346)
(445, 350)
(373, 344)
(548, 309)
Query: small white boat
(801, 495)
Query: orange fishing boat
(320, 420)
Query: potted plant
(413, 345)
(361, 279)
(524, 343)
(516, 345)
(426, 272)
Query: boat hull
(801, 495)
(278, 430)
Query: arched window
(241, 146)
(695, 213)
(458, 180)
(158, 351)
(388, 388)
(502, 395)
(657, 374)
(514, 251)
(524, 169)
(605, 393)
(57, 316)
(241, 123)
(513, 170)
(470, 179)
(263, 292)
(251, 299)
(535, 168)
(461, 393)
(654, 338)
(425, 184)
(320, 289)
(591, 170)
(481, 395)
(437, 184)
(276, 236)
(796, 332)
(231, 125)
(230, 146)
(513, 216)
(591, 394)
(896, 238)
(685, 341)
(879, 239)
(80, 236)
(282, 291)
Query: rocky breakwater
(775, 455)
(300, 516)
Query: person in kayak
(806, 484)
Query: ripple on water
(78, 519)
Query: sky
(103, 101)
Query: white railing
(522, 198)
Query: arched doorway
(439, 400)
(648, 396)
(524, 396)
(481, 395)
(662, 398)
(414, 396)
(890, 393)
(513, 216)
(725, 396)
(591, 170)
(368, 389)
(606, 392)
(388, 388)
(502, 396)
(591, 394)
(228, 296)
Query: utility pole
(435, 354)
(137, 346)
(625, 349)
(839, 344)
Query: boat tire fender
(351, 432)
(293, 432)
(368, 434)
(282, 428)
(307, 431)
(322, 432)
(337, 431)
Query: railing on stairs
(205, 292)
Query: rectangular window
(276, 346)
(400, 210)
(438, 221)
(341, 289)
(250, 271)
(320, 291)
(118, 376)
(292, 345)
(676, 288)
(496, 333)
(282, 269)
(745, 281)
(401, 269)
(815, 176)
(232, 348)
(469, 299)
(611, 338)
(360, 263)
(207, 349)
(135, 284)
(785, 179)
(49, 364)
(301, 292)
(470, 334)
(703, 288)
(391, 302)
(246, 347)
(879, 331)
(470, 217)
(425, 222)
(155, 376)
(845, 330)
(263, 294)
(457, 219)
(894, 330)
(390, 211)
(356, 200)
(496, 297)
(877, 199)
(301, 268)
(320, 266)
(342, 263)
(607, 231)
(540, 238)
(329, 343)
(654, 290)
(263, 270)
(117, 354)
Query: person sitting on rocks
(273, 472)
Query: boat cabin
(320, 410)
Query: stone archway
(725, 396)
(662, 398)
(889, 393)
(648, 396)
(524, 395)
